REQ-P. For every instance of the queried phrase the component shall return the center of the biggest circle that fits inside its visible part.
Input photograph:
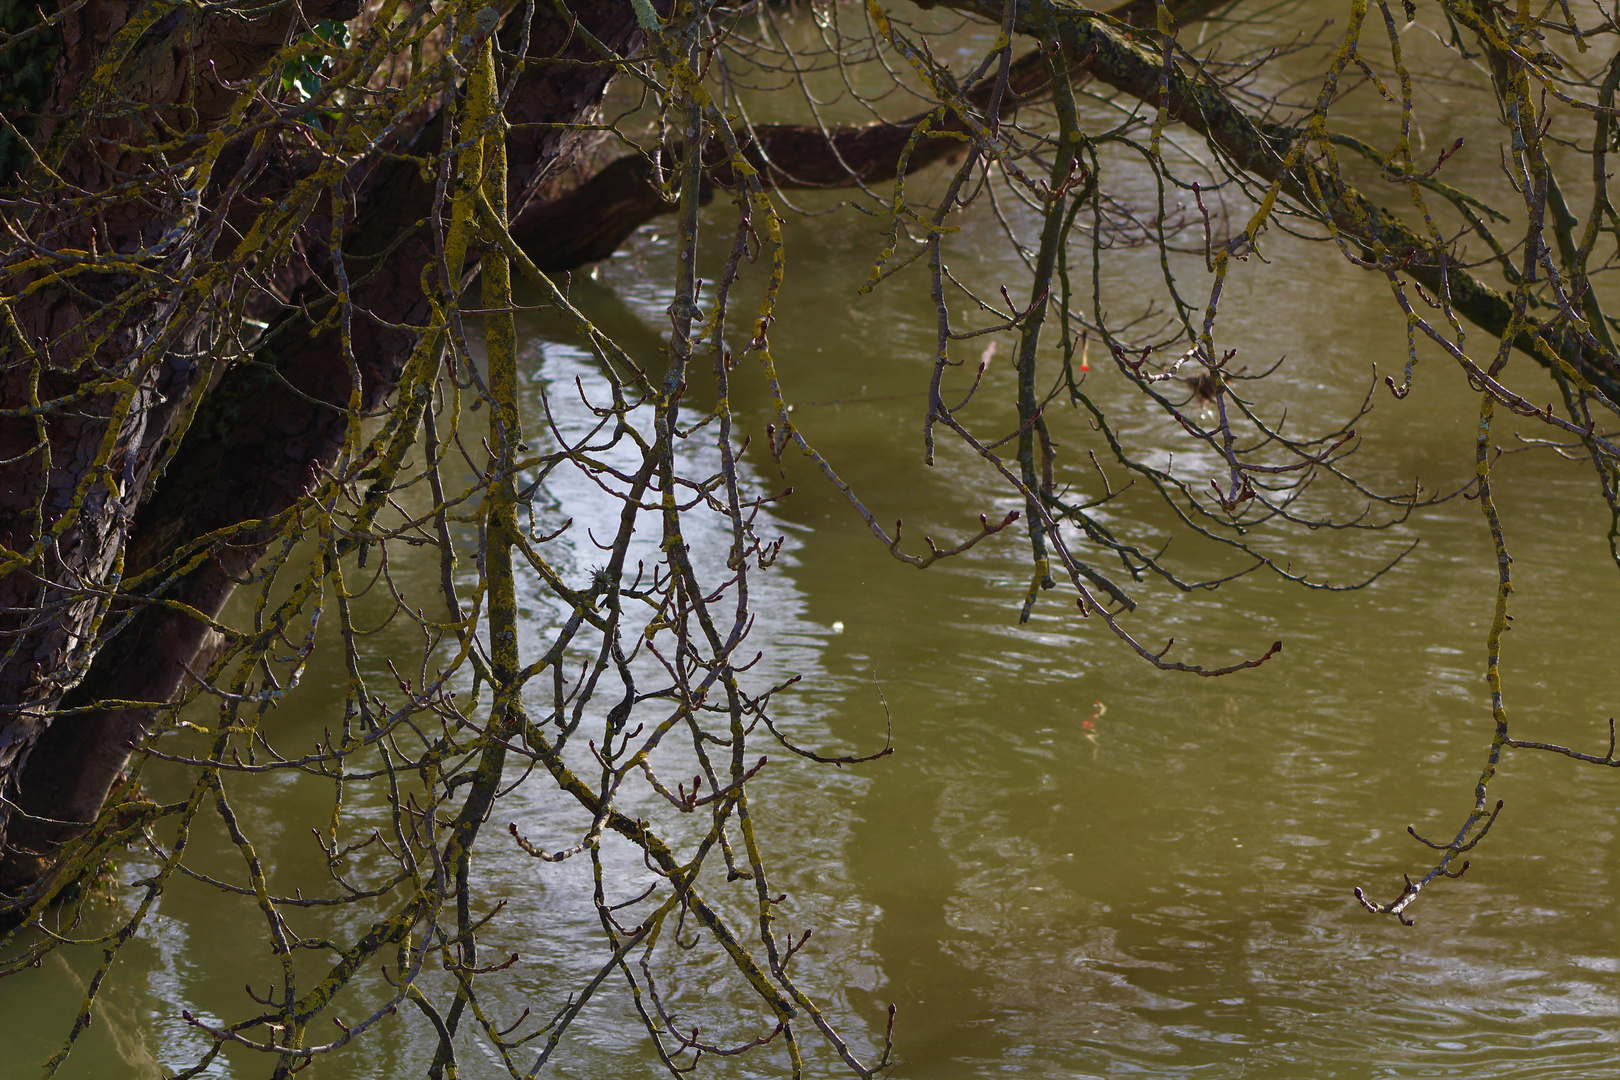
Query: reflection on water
(1072, 866)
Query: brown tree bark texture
(262, 437)
(59, 479)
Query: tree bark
(119, 358)
(268, 431)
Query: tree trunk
(262, 437)
(107, 363)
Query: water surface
(1166, 893)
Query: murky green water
(1166, 895)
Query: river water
(1072, 865)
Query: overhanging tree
(259, 295)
